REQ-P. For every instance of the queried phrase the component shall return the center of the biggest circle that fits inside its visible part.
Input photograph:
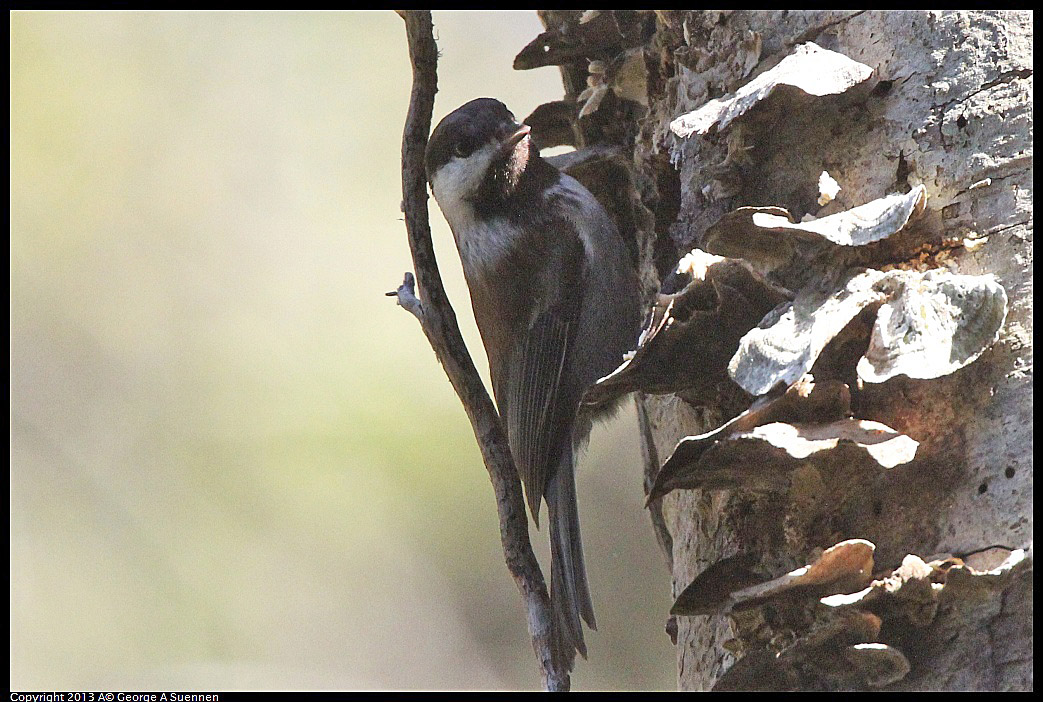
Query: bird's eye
(460, 149)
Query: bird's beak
(512, 139)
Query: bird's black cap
(467, 128)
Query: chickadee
(555, 296)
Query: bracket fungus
(914, 589)
(928, 325)
(624, 76)
(762, 459)
(732, 582)
(768, 237)
(909, 587)
(760, 448)
(823, 658)
(789, 340)
(840, 646)
(877, 664)
(690, 334)
(840, 640)
(804, 666)
(804, 401)
(810, 69)
(932, 324)
(593, 34)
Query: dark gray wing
(540, 397)
(533, 428)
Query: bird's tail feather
(569, 591)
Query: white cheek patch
(459, 179)
(481, 243)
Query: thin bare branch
(438, 321)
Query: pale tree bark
(948, 108)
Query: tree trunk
(948, 107)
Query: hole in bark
(883, 88)
(666, 209)
(668, 187)
(1009, 472)
(902, 174)
(983, 488)
(961, 121)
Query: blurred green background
(235, 464)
